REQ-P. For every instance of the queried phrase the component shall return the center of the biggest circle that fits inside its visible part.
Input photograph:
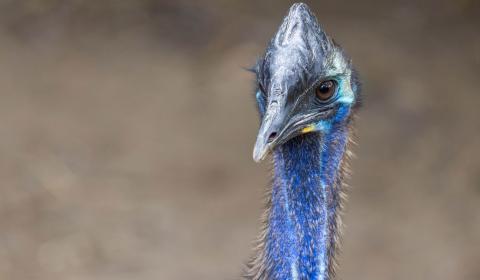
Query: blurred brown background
(126, 131)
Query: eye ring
(326, 90)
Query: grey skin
(299, 57)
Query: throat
(301, 233)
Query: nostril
(272, 136)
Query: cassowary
(307, 94)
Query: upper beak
(269, 131)
(262, 145)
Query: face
(305, 83)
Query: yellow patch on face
(309, 128)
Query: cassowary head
(306, 83)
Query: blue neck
(302, 224)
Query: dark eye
(326, 90)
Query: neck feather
(302, 219)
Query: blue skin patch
(300, 239)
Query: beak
(269, 131)
(275, 130)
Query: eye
(326, 90)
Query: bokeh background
(126, 132)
